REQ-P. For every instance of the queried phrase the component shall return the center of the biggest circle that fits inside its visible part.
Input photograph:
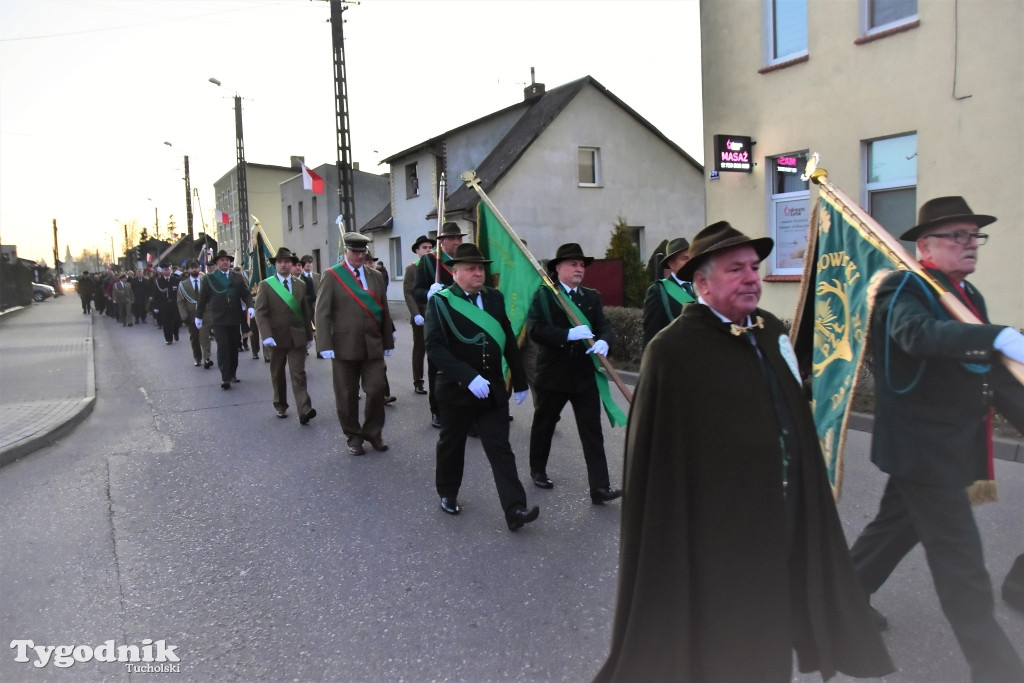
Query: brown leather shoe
(379, 445)
(356, 449)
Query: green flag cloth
(511, 272)
(847, 261)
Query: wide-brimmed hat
(467, 252)
(285, 253)
(674, 247)
(192, 263)
(568, 251)
(942, 210)
(420, 240)
(355, 241)
(450, 229)
(223, 254)
(719, 237)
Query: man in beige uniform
(354, 331)
(188, 302)
(422, 245)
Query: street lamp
(188, 197)
(243, 192)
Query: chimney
(534, 90)
(296, 161)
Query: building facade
(263, 182)
(904, 100)
(562, 166)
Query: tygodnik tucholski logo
(148, 657)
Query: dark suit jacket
(225, 303)
(415, 306)
(458, 363)
(655, 316)
(931, 429)
(425, 277)
(276, 319)
(343, 326)
(564, 365)
(165, 293)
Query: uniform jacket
(224, 301)
(343, 326)
(704, 573)
(123, 292)
(186, 296)
(276, 319)
(415, 306)
(140, 289)
(425, 274)
(458, 362)
(932, 430)
(655, 316)
(165, 293)
(565, 365)
(312, 282)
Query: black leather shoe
(540, 480)
(435, 420)
(602, 496)
(390, 399)
(225, 385)
(304, 419)
(451, 506)
(207, 364)
(198, 363)
(282, 413)
(420, 390)
(520, 516)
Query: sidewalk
(47, 374)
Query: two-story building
(563, 165)
(904, 100)
(263, 184)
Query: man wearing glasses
(937, 382)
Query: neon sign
(733, 154)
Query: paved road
(260, 550)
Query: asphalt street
(261, 550)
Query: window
(785, 30)
(636, 236)
(312, 211)
(881, 15)
(789, 213)
(316, 260)
(412, 183)
(589, 167)
(395, 252)
(301, 222)
(289, 211)
(891, 181)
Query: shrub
(628, 328)
(635, 279)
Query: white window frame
(892, 184)
(395, 256)
(797, 198)
(596, 159)
(768, 36)
(867, 30)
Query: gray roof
(381, 220)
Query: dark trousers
(228, 338)
(86, 304)
(139, 311)
(586, 405)
(940, 518)
(419, 350)
(492, 421)
(171, 323)
(431, 383)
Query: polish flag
(224, 217)
(311, 181)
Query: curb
(60, 429)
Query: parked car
(42, 292)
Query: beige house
(263, 183)
(905, 100)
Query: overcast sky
(91, 89)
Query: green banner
(847, 262)
(511, 272)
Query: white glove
(480, 387)
(329, 355)
(199, 323)
(417, 320)
(394, 336)
(434, 289)
(519, 396)
(387, 352)
(309, 344)
(252, 312)
(1010, 343)
(269, 341)
(600, 347)
(580, 332)
(156, 310)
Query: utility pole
(56, 262)
(188, 202)
(346, 194)
(243, 190)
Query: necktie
(287, 285)
(195, 284)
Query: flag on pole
(223, 217)
(511, 272)
(310, 180)
(843, 263)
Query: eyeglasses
(962, 237)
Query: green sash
(673, 289)
(219, 282)
(286, 296)
(355, 289)
(479, 317)
(611, 409)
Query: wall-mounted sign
(733, 154)
(713, 174)
(787, 164)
